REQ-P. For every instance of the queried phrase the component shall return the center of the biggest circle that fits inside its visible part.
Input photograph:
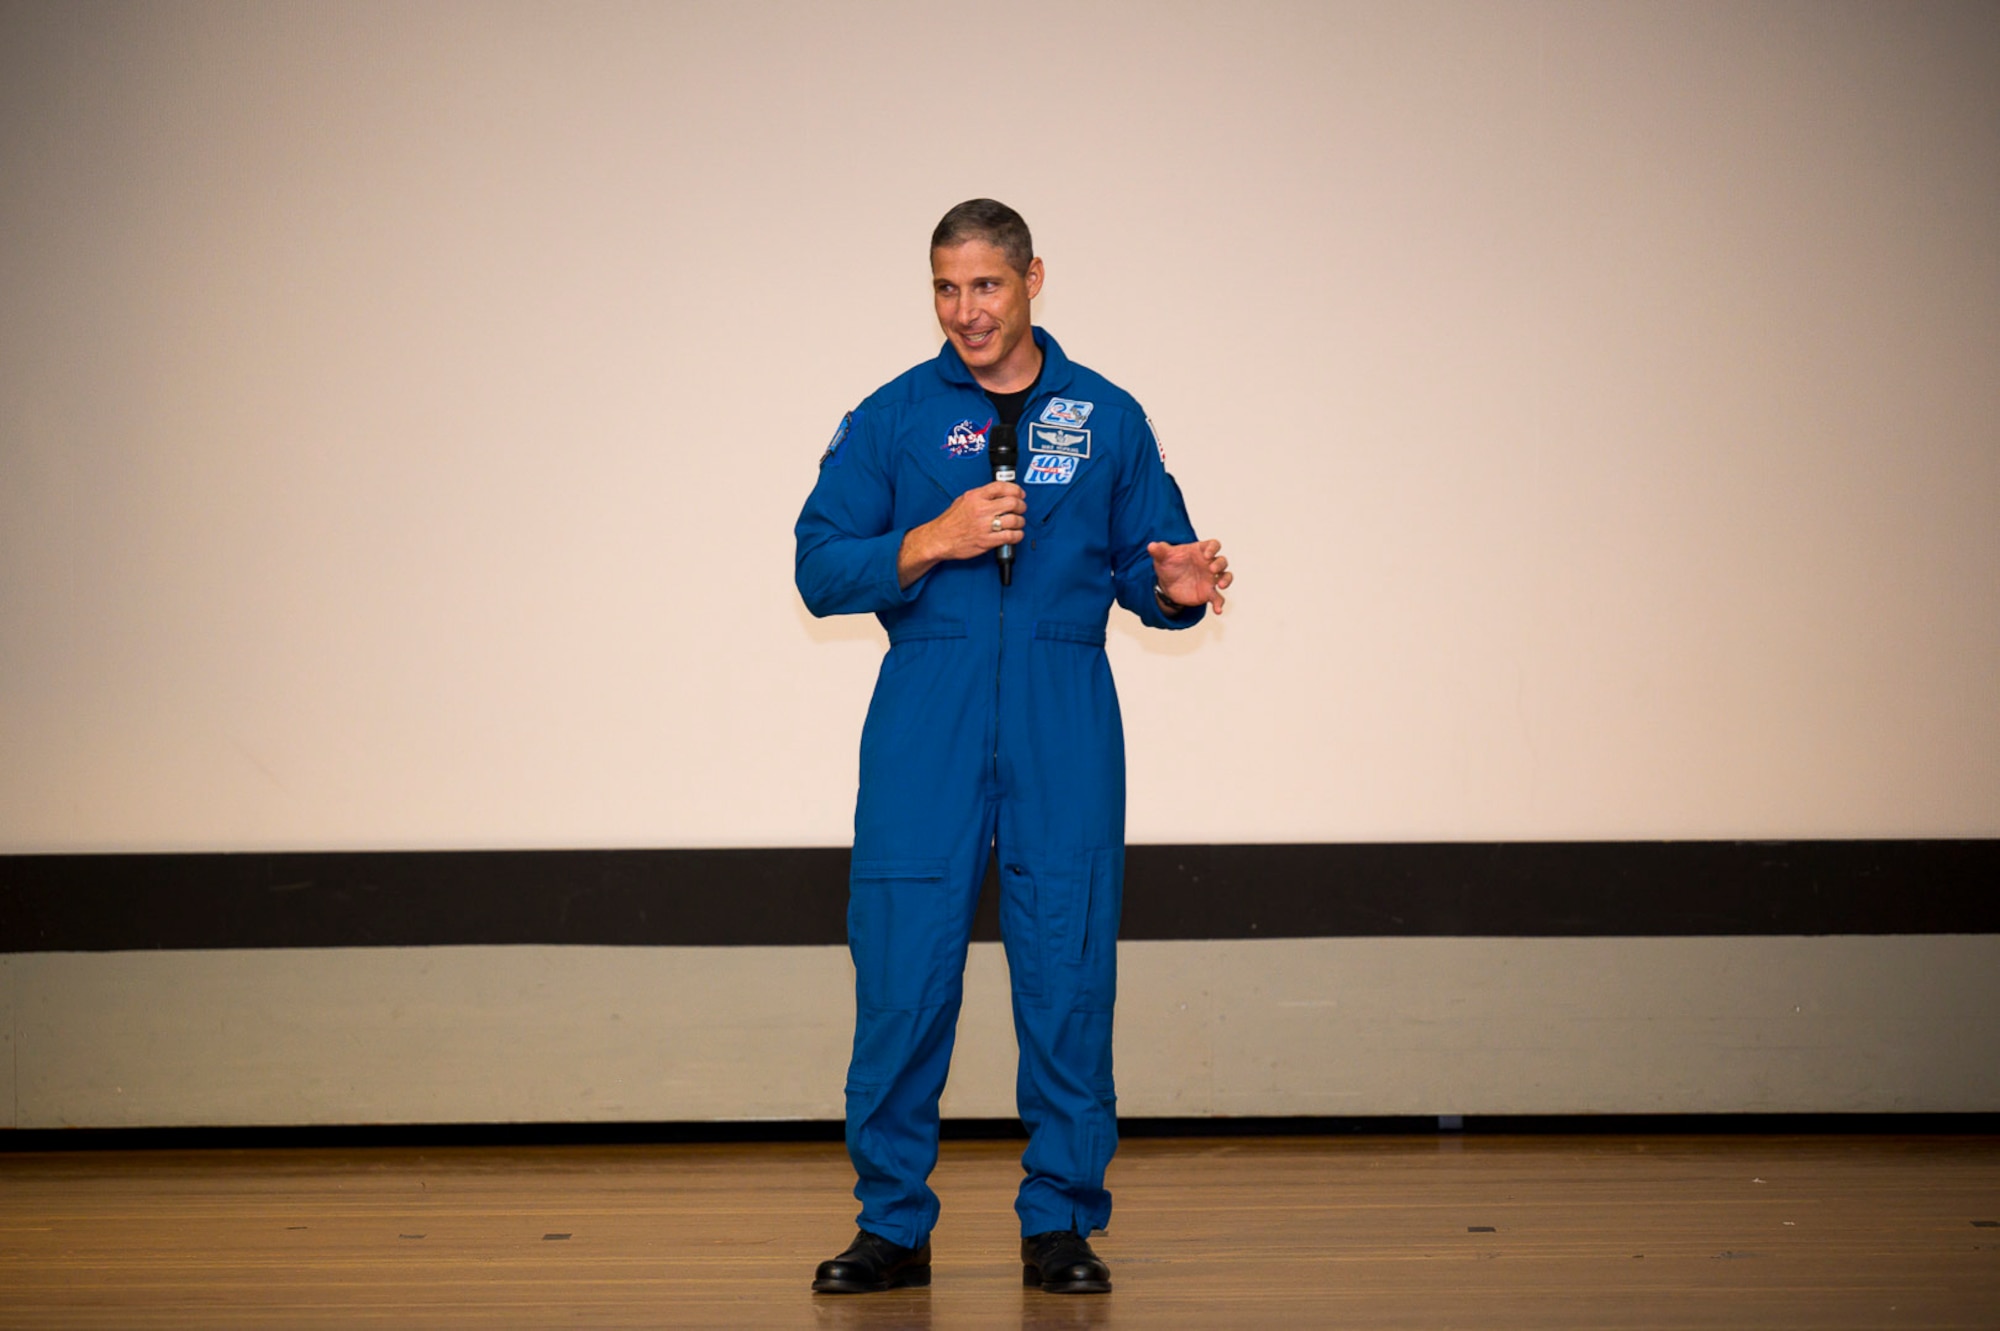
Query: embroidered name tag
(1054, 439)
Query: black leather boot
(1062, 1263)
(872, 1264)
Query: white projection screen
(404, 407)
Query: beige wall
(403, 408)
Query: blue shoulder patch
(832, 453)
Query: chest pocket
(1055, 630)
(1048, 497)
(927, 480)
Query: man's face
(982, 305)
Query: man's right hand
(993, 515)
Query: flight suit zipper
(1000, 647)
(999, 656)
(1000, 651)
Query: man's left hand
(1192, 574)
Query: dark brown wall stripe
(797, 897)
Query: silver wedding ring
(996, 522)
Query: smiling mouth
(978, 339)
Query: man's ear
(1034, 278)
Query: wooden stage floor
(1357, 1232)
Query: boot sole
(1032, 1276)
(914, 1278)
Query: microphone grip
(1004, 454)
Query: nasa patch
(1052, 439)
(967, 439)
(1050, 469)
(839, 437)
(1066, 411)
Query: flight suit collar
(1056, 370)
(1058, 374)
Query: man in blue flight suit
(994, 724)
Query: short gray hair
(991, 221)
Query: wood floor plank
(1699, 1232)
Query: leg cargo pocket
(898, 915)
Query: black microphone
(1001, 449)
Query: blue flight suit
(994, 718)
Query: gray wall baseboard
(1217, 1028)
